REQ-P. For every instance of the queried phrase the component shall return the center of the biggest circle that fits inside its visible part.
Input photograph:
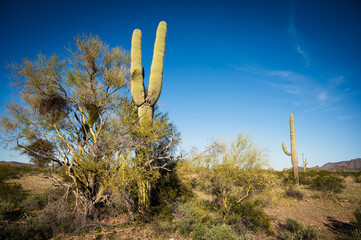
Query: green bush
(11, 192)
(328, 184)
(191, 213)
(306, 178)
(296, 231)
(251, 214)
(357, 176)
(217, 232)
(35, 202)
(356, 234)
(5, 210)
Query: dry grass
(33, 184)
(130, 232)
(316, 210)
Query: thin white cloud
(347, 117)
(322, 96)
(296, 41)
(307, 91)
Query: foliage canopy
(77, 113)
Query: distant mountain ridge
(17, 163)
(353, 164)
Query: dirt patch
(316, 210)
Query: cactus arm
(156, 71)
(285, 149)
(136, 69)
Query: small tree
(40, 151)
(77, 113)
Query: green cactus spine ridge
(145, 99)
(293, 152)
(285, 149)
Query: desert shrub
(217, 232)
(163, 226)
(9, 171)
(169, 187)
(5, 210)
(343, 173)
(356, 234)
(357, 214)
(54, 219)
(39, 201)
(12, 192)
(296, 231)
(357, 176)
(289, 186)
(35, 202)
(251, 214)
(295, 193)
(288, 182)
(191, 213)
(307, 177)
(328, 184)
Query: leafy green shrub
(35, 202)
(161, 226)
(5, 210)
(328, 184)
(217, 232)
(288, 182)
(357, 176)
(200, 231)
(296, 231)
(11, 192)
(191, 213)
(10, 171)
(251, 214)
(356, 234)
(306, 178)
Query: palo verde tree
(81, 110)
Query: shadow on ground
(342, 229)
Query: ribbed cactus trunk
(293, 153)
(146, 99)
(304, 161)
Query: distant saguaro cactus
(293, 153)
(146, 99)
(304, 161)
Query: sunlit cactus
(293, 153)
(145, 99)
(304, 161)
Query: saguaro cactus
(304, 161)
(293, 153)
(146, 99)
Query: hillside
(354, 164)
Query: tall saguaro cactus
(145, 99)
(293, 153)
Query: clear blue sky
(230, 66)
